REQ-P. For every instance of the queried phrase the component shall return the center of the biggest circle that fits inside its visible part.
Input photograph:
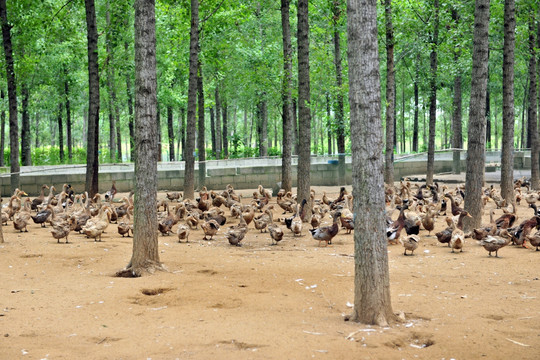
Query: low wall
(242, 174)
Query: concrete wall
(246, 174)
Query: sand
(216, 301)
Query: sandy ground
(61, 301)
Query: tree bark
(26, 153)
(372, 303)
(3, 130)
(213, 130)
(68, 117)
(507, 156)
(416, 102)
(488, 113)
(474, 177)
(60, 132)
(457, 108)
(390, 95)
(129, 99)
(433, 94)
(201, 129)
(262, 125)
(304, 111)
(145, 257)
(157, 150)
(12, 97)
(217, 129)
(110, 87)
(339, 105)
(189, 178)
(286, 98)
(170, 132)
(224, 134)
(92, 147)
(532, 110)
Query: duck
(485, 230)
(193, 220)
(93, 229)
(39, 200)
(165, 225)
(125, 225)
(347, 216)
(262, 221)
(182, 231)
(235, 234)
(428, 221)
(296, 222)
(456, 209)
(326, 233)
(493, 243)
(276, 233)
(61, 229)
(445, 236)
(519, 234)
(534, 240)
(248, 214)
(21, 219)
(210, 228)
(43, 215)
(174, 196)
(393, 231)
(316, 217)
(286, 202)
(410, 242)
(215, 214)
(457, 240)
(110, 194)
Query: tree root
(149, 267)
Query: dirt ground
(216, 301)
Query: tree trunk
(224, 134)
(390, 95)
(129, 98)
(3, 130)
(145, 256)
(201, 129)
(533, 119)
(507, 156)
(262, 125)
(182, 132)
(118, 132)
(474, 177)
(329, 124)
(68, 118)
(295, 126)
(12, 97)
(416, 103)
(488, 114)
(110, 87)
(457, 129)
(372, 303)
(60, 132)
(92, 147)
(339, 105)
(433, 94)
(189, 179)
(304, 111)
(218, 124)
(213, 130)
(26, 154)
(170, 132)
(157, 150)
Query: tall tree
(129, 99)
(92, 147)
(110, 86)
(416, 82)
(457, 135)
(390, 95)
(201, 128)
(2, 128)
(68, 116)
(434, 41)
(339, 105)
(145, 255)
(474, 177)
(372, 303)
(304, 110)
(170, 132)
(507, 156)
(224, 134)
(60, 131)
(217, 129)
(189, 177)
(12, 98)
(286, 98)
(532, 110)
(26, 153)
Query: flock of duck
(67, 212)
(420, 206)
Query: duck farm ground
(257, 301)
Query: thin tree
(224, 133)
(372, 303)
(3, 128)
(339, 105)
(433, 93)
(474, 177)
(68, 116)
(92, 147)
(304, 111)
(286, 98)
(201, 127)
(145, 257)
(390, 95)
(110, 86)
(170, 132)
(416, 80)
(532, 110)
(129, 99)
(61, 131)
(457, 132)
(507, 156)
(189, 176)
(12, 98)
(217, 129)
(26, 153)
